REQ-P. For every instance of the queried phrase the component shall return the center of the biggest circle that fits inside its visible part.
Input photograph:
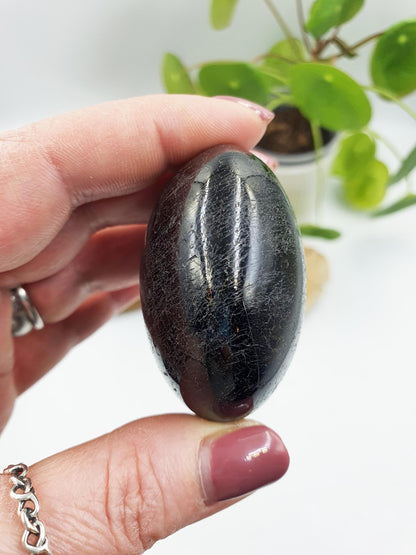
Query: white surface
(346, 408)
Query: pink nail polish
(241, 461)
(261, 111)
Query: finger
(123, 492)
(89, 218)
(84, 222)
(105, 151)
(110, 261)
(268, 160)
(37, 352)
(7, 387)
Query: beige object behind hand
(317, 273)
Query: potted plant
(298, 77)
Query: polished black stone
(222, 282)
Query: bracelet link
(28, 509)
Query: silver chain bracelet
(28, 509)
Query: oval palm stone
(222, 282)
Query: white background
(346, 408)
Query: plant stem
(320, 177)
(301, 20)
(321, 44)
(345, 49)
(282, 24)
(391, 96)
(276, 102)
(387, 143)
(366, 40)
(393, 150)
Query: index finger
(51, 167)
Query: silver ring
(25, 316)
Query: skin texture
(76, 192)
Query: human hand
(75, 195)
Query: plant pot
(289, 141)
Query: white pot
(298, 174)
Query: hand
(75, 195)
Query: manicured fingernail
(268, 160)
(261, 111)
(240, 462)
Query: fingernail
(240, 462)
(261, 111)
(268, 160)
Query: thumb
(124, 491)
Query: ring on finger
(25, 316)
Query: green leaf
(325, 14)
(393, 63)
(233, 79)
(354, 153)
(405, 202)
(310, 230)
(329, 97)
(272, 78)
(175, 77)
(366, 189)
(408, 164)
(222, 12)
(281, 57)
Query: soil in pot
(290, 133)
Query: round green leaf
(325, 14)
(393, 63)
(233, 79)
(281, 57)
(366, 189)
(329, 97)
(175, 76)
(354, 153)
(222, 12)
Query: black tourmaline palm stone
(222, 282)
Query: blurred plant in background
(299, 71)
